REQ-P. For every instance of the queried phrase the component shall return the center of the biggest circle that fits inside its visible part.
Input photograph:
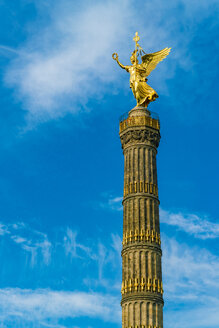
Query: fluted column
(142, 289)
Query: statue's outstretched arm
(116, 57)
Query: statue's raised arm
(116, 58)
(143, 93)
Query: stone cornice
(140, 195)
(141, 246)
(146, 296)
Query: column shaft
(142, 301)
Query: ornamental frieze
(139, 121)
(136, 136)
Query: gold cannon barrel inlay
(141, 236)
(140, 186)
(143, 326)
(145, 284)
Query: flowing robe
(143, 93)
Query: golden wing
(150, 61)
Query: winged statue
(143, 93)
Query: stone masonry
(142, 288)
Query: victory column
(142, 288)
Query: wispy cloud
(108, 261)
(191, 285)
(71, 52)
(74, 248)
(38, 306)
(193, 270)
(199, 227)
(204, 316)
(111, 202)
(117, 243)
(68, 60)
(190, 275)
(3, 229)
(36, 250)
(9, 51)
(32, 241)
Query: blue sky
(61, 163)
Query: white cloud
(191, 285)
(18, 239)
(70, 243)
(192, 269)
(108, 260)
(45, 247)
(40, 305)
(115, 203)
(68, 60)
(192, 224)
(32, 241)
(117, 243)
(39, 250)
(33, 254)
(190, 276)
(73, 248)
(205, 316)
(3, 229)
(8, 50)
(71, 52)
(111, 203)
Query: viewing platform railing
(152, 120)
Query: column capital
(141, 135)
(140, 126)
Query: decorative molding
(141, 236)
(140, 246)
(140, 186)
(142, 285)
(139, 196)
(145, 297)
(140, 135)
(139, 121)
(143, 326)
(141, 252)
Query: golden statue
(143, 93)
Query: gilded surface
(143, 326)
(141, 236)
(139, 121)
(142, 92)
(142, 290)
(140, 285)
(140, 186)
